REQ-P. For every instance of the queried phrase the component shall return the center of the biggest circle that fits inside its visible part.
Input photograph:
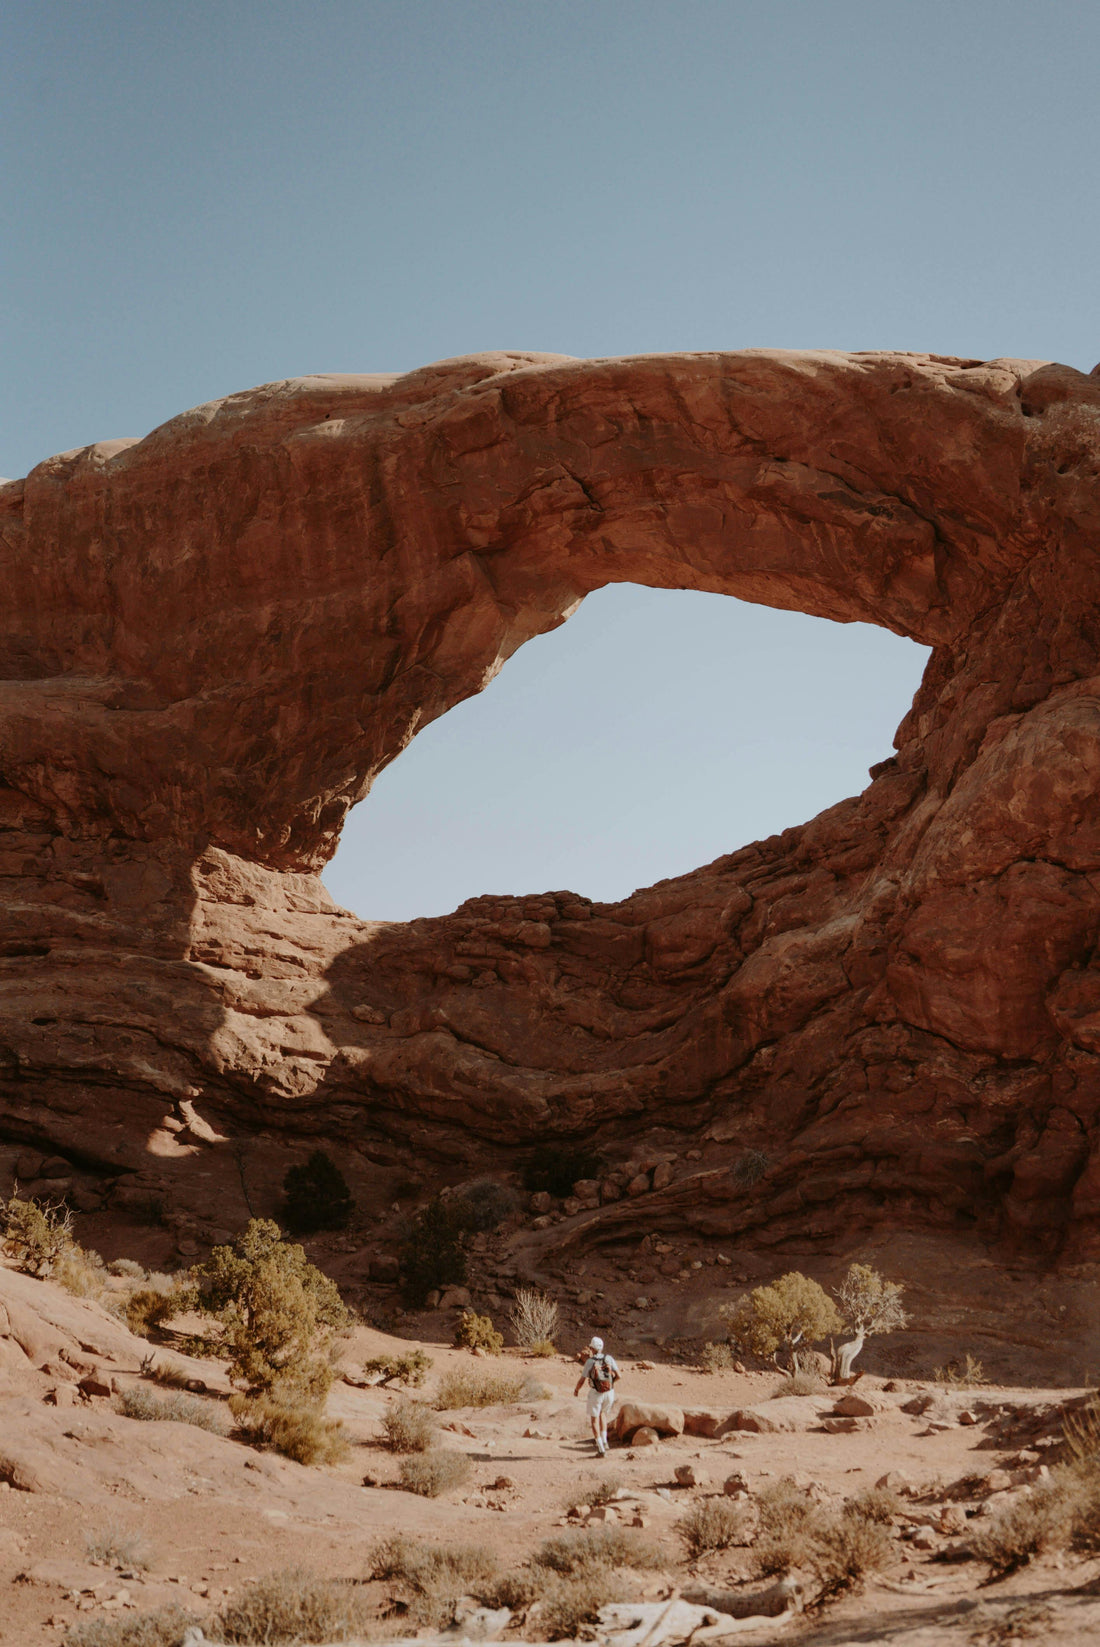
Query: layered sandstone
(218, 635)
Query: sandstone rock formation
(218, 635)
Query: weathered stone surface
(634, 1415)
(218, 635)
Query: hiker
(601, 1372)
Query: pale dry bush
(716, 1358)
(567, 1605)
(844, 1548)
(875, 1504)
(1041, 1521)
(480, 1387)
(592, 1549)
(787, 1518)
(433, 1576)
(116, 1547)
(410, 1427)
(713, 1524)
(292, 1607)
(437, 1471)
(410, 1369)
(137, 1402)
(799, 1383)
(164, 1627)
(597, 1490)
(298, 1432)
(534, 1319)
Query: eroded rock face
(218, 635)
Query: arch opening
(653, 732)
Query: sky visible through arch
(199, 198)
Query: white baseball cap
(595, 1343)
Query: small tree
(278, 1311)
(38, 1234)
(868, 1305)
(316, 1196)
(433, 1252)
(792, 1312)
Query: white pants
(599, 1405)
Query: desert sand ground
(195, 1516)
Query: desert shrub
(166, 1373)
(433, 1576)
(792, 1312)
(483, 1204)
(432, 1252)
(961, 1375)
(749, 1168)
(115, 1547)
(434, 1472)
(556, 1168)
(544, 1348)
(127, 1267)
(410, 1427)
(277, 1311)
(716, 1358)
(298, 1432)
(516, 1588)
(285, 1609)
(316, 1196)
(165, 1627)
(1027, 1527)
(597, 1490)
(476, 1332)
(566, 1605)
(590, 1549)
(36, 1233)
(880, 1504)
(80, 1271)
(410, 1369)
(845, 1548)
(787, 1518)
(478, 1387)
(138, 1402)
(149, 1307)
(803, 1382)
(534, 1319)
(712, 1524)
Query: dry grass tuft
(714, 1524)
(166, 1373)
(138, 1402)
(845, 1548)
(567, 1605)
(434, 1576)
(285, 1609)
(115, 1547)
(875, 1504)
(410, 1427)
(480, 1387)
(799, 1383)
(594, 1549)
(1041, 1521)
(534, 1319)
(599, 1489)
(300, 1433)
(786, 1525)
(166, 1627)
(434, 1472)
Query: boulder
(854, 1406)
(635, 1415)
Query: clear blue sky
(202, 196)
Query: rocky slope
(219, 634)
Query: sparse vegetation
(875, 1504)
(278, 1314)
(556, 1168)
(166, 1373)
(410, 1369)
(410, 1427)
(803, 1382)
(434, 1472)
(602, 1489)
(534, 1321)
(433, 1576)
(593, 1549)
(792, 1313)
(964, 1375)
(476, 1332)
(716, 1358)
(115, 1547)
(566, 1605)
(149, 1307)
(37, 1233)
(316, 1196)
(483, 1204)
(164, 1627)
(749, 1168)
(298, 1432)
(138, 1402)
(129, 1268)
(433, 1253)
(285, 1609)
(844, 1548)
(786, 1524)
(1029, 1526)
(481, 1387)
(713, 1524)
